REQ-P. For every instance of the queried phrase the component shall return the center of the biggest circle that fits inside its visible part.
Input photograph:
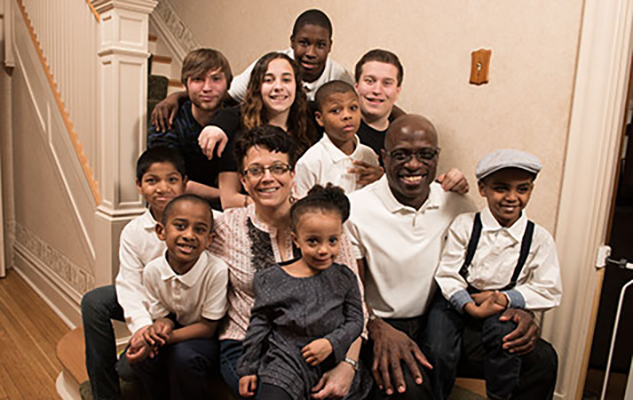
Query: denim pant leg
(444, 342)
(230, 352)
(502, 368)
(98, 308)
(191, 364)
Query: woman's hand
(316, 351)
(212, 138)
(248, 385)
(335, 383)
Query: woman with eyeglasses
(251, 238)
(274, 97)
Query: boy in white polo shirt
(160, 176)
(176, 357)
(493, 260)
(330, 159)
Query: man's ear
(319, 118)
(160, 231)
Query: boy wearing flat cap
(493, 260)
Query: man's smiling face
(409, 175)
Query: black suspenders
(526, 242)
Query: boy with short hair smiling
(175, 358)
(160, 176)
(330, 159)
(493, 260)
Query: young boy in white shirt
(331, 158)
(177, 355)
(493, 260)
(160, 176)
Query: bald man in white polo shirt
(398, 227)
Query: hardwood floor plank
(29, 332)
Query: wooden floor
(29, 332)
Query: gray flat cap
(507, 158)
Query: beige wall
(526, 105)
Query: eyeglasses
(257, 171)
(424, 155)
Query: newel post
(122, 88)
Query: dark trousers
(180, 371)
(98, 308)
(415, 328)
(230, 352)
(501, 368)
(538, 369)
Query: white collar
(334, 152)
(490, 223)
(191, 277)
(433, 201)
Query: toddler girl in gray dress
(307, 312)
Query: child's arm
(229, 186)
(543, 289)
(259, 327)
(450, 282)
(131, 293)
(339, 341)
(197, 330)
(137, 351)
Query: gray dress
(291, 312)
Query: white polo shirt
(333, 71)
(324, 162)
(401, 245)
(138, 245)
(200, 293)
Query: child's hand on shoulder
(317, 351)
(366, 173)
(248, 385)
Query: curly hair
(325, 199)
(254, 114)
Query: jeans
(230, 352)
(180, 371)
(98, 308)
(415, 328)
(501, 368)
(537, 369)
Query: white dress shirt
(199, 293)
(401, 245)
(333, 71)
(139, 245)
(324, 162)
(538, 286)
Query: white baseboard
(44, 284)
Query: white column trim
(587, 188)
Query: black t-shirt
(183, 135)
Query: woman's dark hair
(328, 199)
(253, 112)
(270, 137)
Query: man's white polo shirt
(401, 246)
